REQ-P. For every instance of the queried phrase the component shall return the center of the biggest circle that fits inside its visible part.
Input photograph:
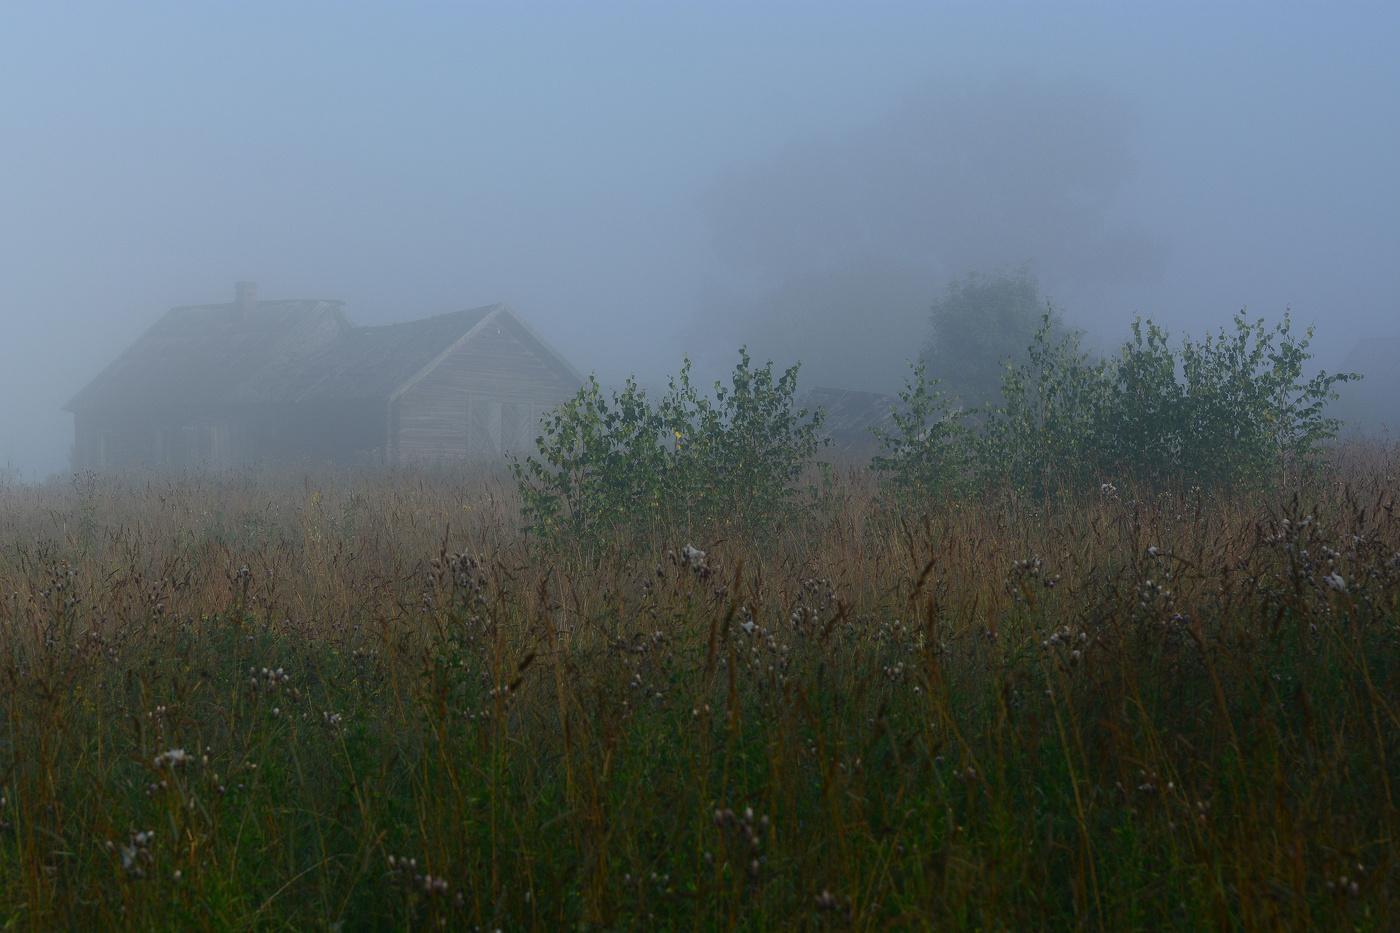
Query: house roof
(851, 414)
(203, 354)
(288, 354)
(367, 362)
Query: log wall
(482, 401)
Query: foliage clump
(733, 459)
(1235, 409)
(928, 449)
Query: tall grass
(365, 701)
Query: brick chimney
(245, 296)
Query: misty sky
(641, 181)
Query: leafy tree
(1249, 412)
(980, 324)
(743, 452)
(1049, 428)
(927, 454)
(1231, 410)
(601, 463)
(733, 459)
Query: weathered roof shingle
(281, 352)
(366, 362)
(204, 354)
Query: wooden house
(253, 380)
(850, 417)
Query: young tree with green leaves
(733, 459)
(1231, 410)
(927, 453)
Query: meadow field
(367, 701)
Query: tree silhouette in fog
(982, 323)
(833, 250)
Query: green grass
(1143, 711)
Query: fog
(646, 181)
(834, 249)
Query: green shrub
(1232, 410)
(1250, 414)
(742, 453)
(733, 459)
(1145, 422)
(1229, 410)
(601, 463)
(1048, 431)
(927, 453)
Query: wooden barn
(250, 381)
(850, 416)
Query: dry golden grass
(364, 701)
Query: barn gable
(257, 380)
(484, 395)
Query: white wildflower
(174, 758)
